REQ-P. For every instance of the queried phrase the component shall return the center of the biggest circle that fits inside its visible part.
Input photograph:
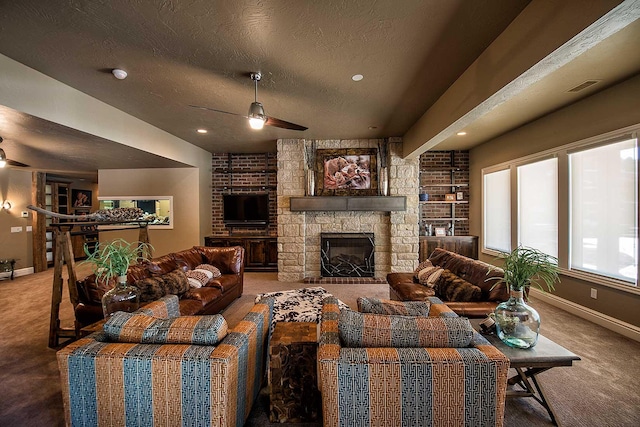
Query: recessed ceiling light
(357, 77)
(463, 133)
(119, 74)
(202, 131)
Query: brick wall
(439, 168)
(243, 174)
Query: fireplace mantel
(347, 203)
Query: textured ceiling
(201, 52)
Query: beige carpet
(599, 390)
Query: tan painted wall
(606, 111)
(183, 184)
(15, 186)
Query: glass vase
(122, 297)
(517, 324)
(310, 188)
(384, 182)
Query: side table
(8, 265)
(293, 379)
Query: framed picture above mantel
(346, 172)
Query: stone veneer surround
(396, 233)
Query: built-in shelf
(448, 219)
(250, 187)
(225, 170)
(444, 201)
(346, 203)
(444, 185)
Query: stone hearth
(396, 232)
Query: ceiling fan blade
(217, 111)
(272, 121)
(16, 163)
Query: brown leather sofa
(405, 287)
(211, 298)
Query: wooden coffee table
(530, 362)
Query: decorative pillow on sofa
(141, 328)
(429, 276)
(215, 271)
(197, 278)
(176, 282)
(421, 266)
(387, 306)
(155, 287)
(378, 330)
(453, 288)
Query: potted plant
(112, 260)
(517, 323)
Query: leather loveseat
(211, 298)
(405, 286)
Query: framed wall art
(346, 172)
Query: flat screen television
(245, 209)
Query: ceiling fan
(4, 161)
(257, 117)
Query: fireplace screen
(347, 255)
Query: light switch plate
(16, 229)
(24, 214)
(29, 228)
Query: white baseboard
(611, 323)
(17, 273)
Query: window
(538, 206)
(497, 210)
(603, 210)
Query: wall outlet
(16, 229)
(24, 214)
(594, 293)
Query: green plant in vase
(112, 260)
(517, 323)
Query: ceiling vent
(584, 85)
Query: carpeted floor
(599, 390)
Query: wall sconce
(6, 205)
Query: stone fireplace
(395, 247)
(347, 255)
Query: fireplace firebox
(347, 255)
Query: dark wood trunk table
(293, 380)
(528, 363)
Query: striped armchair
(107, 383)
(410, 386)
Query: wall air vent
(584, 85)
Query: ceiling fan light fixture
(3, 158)
(257, 118)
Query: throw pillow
(197, 278)
(386, 306)
(141, 328)
(176, 282)
(151, 288)
(421, 266)
(378, 330)
(453, 288)
(215, 271)
(429, 276)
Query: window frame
(562, 154)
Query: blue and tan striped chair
(377, 370)
(135, 384)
